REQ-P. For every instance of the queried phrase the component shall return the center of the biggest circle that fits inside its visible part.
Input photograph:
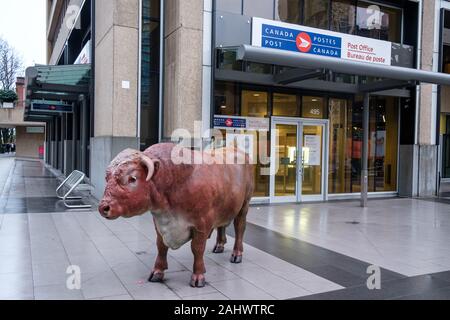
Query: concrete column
(116, 84)
(183, 65)
(427, 149)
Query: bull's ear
(150, 164)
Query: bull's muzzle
(104, 209)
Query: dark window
(225, 97)
(150, 73)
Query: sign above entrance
(51, 107)
(242, 123)
(297, 38)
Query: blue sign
(277, 37)
(51, 107)
(230, 122)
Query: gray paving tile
(240, 289)
(46, 274)
(101, 284)
(179, 283)
(56, 292)
(135, 272)
(151, 291)
(207, 296)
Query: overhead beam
(383, 85)
(296, 75)
(53, 97)
(304, 60)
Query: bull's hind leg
(221, 240)
(157, 274)
(239, 229)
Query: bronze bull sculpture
(187, 201)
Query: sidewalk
(297, 251)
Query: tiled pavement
(291, 251)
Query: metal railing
(71, 183)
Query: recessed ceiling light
(223, 107)
(256, 95)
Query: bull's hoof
(156, 277)
(198, 281)
(219, 248)
(236, 259)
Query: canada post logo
(301, 41)
(224, 122)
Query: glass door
(313, 159)
(299, 165)
(284, 171)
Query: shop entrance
(299, 153)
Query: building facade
(159, 66)
(30, 136)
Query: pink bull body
(187, 201)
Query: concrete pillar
(183, 65)
(427, 149)
(116, 84)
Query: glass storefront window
(339, 168)
(343, 16)
(289, 11)
(150, 73)
(345, 151)
(226, 59)
(285, 105)
(259, 8)
(255, 67)
(313, 107)
(254, 104)
(316, 13)
(378, 22)
(225, 98)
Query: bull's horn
(146, 161)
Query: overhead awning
(404, 75)
(54, 86)
(391, 77)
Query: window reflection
(379, 22)
(346, 135)
(288, 11)
(285, 105)
(225, 98)
(316, 13)
(343, 16)
(254, 104)
(313, 107)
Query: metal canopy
(56, 83)
(391, 77)
(304, 60)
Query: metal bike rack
(72, 182)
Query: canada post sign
(296, 38)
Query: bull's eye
(132, 179)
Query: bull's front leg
(198, 245)
(161, 265)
